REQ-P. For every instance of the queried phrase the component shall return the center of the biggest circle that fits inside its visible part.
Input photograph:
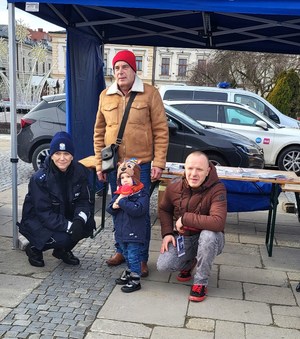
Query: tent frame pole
(13, 118)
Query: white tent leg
(13, 118)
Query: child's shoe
(132, 285)
(123, 280)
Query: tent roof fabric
(263, 26)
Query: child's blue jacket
(130, 218)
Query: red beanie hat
(126, 56)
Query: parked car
(38, 127)
(281, 145)
(222, 147)
(240, 96)
(186, 135)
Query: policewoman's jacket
(54, 199)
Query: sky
(28, 19)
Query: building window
(182, 67)
(49, 67)
(139, 63)
(23, 62)
(44, 68)
(201, 63)
(37, 68)
(165, 66)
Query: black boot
(35, 256)
(66, 256)
(132, 285)
(123, 280)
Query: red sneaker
(198, 293)
(184, 276)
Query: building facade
(155, 65)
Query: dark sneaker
(123, 280)
(132, 285)
(198, 293)
(66, 256)
(184, 276)
(298, 287)
(35, 256)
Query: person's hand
(101, 176)
(179, 226)
(165, 243)
(156, 173)
(76, 230)
(115, 205)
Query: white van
(174, 92)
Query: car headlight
(250, 150)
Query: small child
(130, 207)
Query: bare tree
(256, 72)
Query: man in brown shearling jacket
(197, 202)
(146, 135)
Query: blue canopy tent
(264, 26)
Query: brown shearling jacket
(146, 135)
(204, 208)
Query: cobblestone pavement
(67, 301)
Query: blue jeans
(132, 254)
(204, 247)
(146, 180)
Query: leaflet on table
(248, 173)
(174, 167)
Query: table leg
(298, 204)
(272, 217)
(103, 209)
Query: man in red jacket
(197, 202)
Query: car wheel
(289, 159)
(39, 155)
(217, 160)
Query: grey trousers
(204, 247)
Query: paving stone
(154, 295)
(4, 311)
(231, 310)
(227, 289)
(120, 328)
(253, 275)
(229, 330)
(179, 333)
(283, 258)
(256, 331)
(288, 317)
(269, 294)
(235, 260)
(252, 239)
(207, 325)
(9, 284)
